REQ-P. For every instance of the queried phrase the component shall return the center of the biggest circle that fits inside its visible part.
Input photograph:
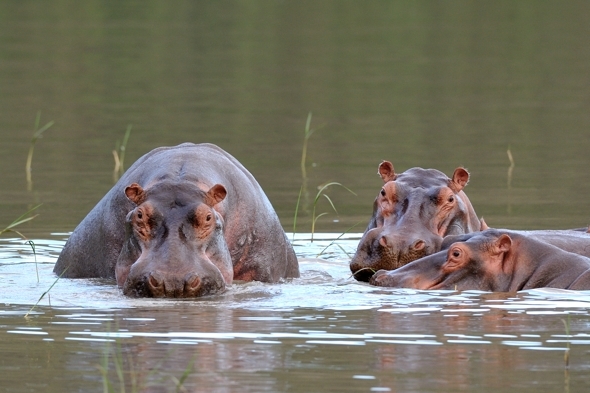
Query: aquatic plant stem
(45, 293)
(566, 355)
(510, 168)
(320, 193)
(36, 135)
(20, 220)
(32, 244)
(119, 155)
(338, 238)
(296, 211)
(308, 132)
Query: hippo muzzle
(380, 249)
(151, 280)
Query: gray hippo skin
(412, 213)
(498, 261)
(183, 221)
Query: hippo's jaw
(155, 284)
(373, 254)
(150, 277)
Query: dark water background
(420, 83)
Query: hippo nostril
(193, 281)
(383, 241)
(154, 280)
(419, 245)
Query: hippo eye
(208, 217)
(451, 199)
(382, 192)
(456, 253)
(139, 214)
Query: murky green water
(321, 332)
(420, 83)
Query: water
(321, 332)
(421, 83)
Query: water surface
(321, 332)
(421, 83)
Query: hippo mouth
(156, 284)
(366, 262)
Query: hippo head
(174, 244)
(412, 214)
(475, 263)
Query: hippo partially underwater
(183, 221)
(412, 213)
(499, 260)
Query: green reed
(119, 154)
(319, 194)
(22, 219)
(308, 131)
(36, 136)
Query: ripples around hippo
(321, 332)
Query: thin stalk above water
(36, 135)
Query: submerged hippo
(183, 221)
(497, 260)
(412, 214)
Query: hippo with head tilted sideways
(412, 214)
(499, 261)
(183, 221)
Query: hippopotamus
(412, 213)
(183, 221)
(498, 261)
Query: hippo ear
(215, 195)
(460, 179)
(503, 243)
(135, 193)
(483, 225)
(386, 171)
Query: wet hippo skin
(412, 213)
(494, 260)
(183, 221)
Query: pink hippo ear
(386, 171)
(460, 179)
(503, 244)
(216, 194)
(483, 225)
(135, 193)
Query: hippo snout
(383, 250)
(380, 278)
(163, 284)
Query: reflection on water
(321, 332)
(420, 83)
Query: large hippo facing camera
(412, 213)
(183, 221)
